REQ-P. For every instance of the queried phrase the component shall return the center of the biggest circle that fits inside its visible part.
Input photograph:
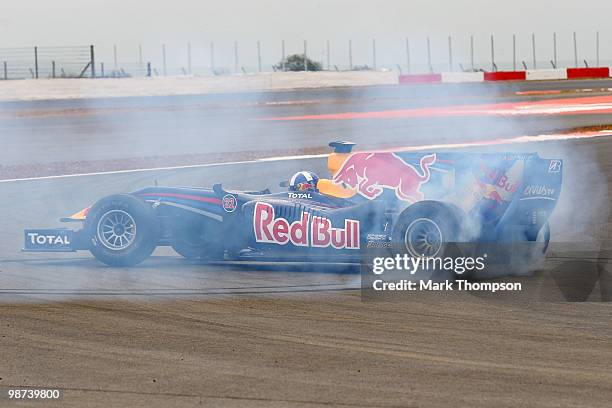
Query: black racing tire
(443, 222)
(187, 250)
(191, 251)
(197, 240)
(440, 219)
(123, 230)
(542, 235)
(523, 248)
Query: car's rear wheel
(423, 236)
(123, 230)
(526, 248)
(543, 237)
(426, 229)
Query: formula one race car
(418, 202)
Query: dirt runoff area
(298, 350)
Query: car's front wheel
(123, 230)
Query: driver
(304, 181)
(307, 181)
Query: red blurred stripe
(563, 106)
(185, 197)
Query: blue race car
(413, 201)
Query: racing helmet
(304, 181)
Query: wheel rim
(116, 230)
(423, 237)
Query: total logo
(36, 238)
(309, 231)
(299, 195)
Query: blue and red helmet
(304, 181)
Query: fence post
(472, 51)
(140, 57)
(555, 49)
(102, 69)
(259, 56)
(283, 55)
(575, 51)
(92, 60)
(36, 62)
(5, 70)
(305, 56)
(429, 55)
(350, 55)
(165, 71)
(597, 47)
(52, 69)
(212, 57)
(148, 69)
(514, 52)
(115, 65)
(327, 44)
(235, 56)
(450, 53)
(493, 66)
(533, 48)
(189, 58)
(374, 53)
(407, 55)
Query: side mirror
(283, 184)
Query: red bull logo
(317, 232)
(495, 196)
(305, 186)
(499, 185)
(371, 173)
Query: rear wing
(342, 151)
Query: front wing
(54, 240)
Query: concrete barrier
(546, 74)
(457, 77)
(419, 78)
(529, 75)
(186, 85)
(505, 76)
(595, 72)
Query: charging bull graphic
(371, 173)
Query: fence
(47, 62)
(415, 55)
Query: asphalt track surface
(181, 333)
(116, 131)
